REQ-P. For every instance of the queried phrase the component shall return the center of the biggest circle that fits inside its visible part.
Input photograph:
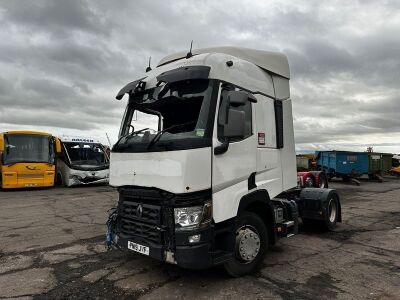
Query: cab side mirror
(58, 145)
(235, 125)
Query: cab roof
(79, 139)
(274, 62)
(27, 132)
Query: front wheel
(250, 247)
(59, 179)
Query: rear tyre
(309, 182)
(332, 214)
(250, 247)
(330, 219)
(323, 181)
(346, 178)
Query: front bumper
(88, 181)
(191, 256)
(78, 177)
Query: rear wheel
(323, 181)
(330, 219)
(332, 213)
(309, 182)
(346, 178)
(250, 247)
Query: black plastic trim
(185, 73)
(260, 199)
(251, 182)
(279, 123)
(128, 88)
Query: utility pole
(109, 142)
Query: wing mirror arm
(221, 149)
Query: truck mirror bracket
(221, 149)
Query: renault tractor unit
(207, 174)
(82, 161)
(27, 159)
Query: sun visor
(185, 73)
(132, 86)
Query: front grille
(88, 179)
(36, 176)
(141, 214)
(143, 230)
(149, 213)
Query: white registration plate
(138, 248)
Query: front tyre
(59, 179)
(250, 247)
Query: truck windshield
(86, 154)
(28, 148)
(174, 116)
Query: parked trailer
(347, 165)
(303, 163)
(379, 163)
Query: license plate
(138, 248)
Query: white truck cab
(82, 161)
(211, 179)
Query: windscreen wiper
(131, 134)
(157, 137)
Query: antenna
(149, 68)
(189, 54)
(109, 142)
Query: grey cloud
(57, 17)
(73, 56)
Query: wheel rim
(248, 244)
(309, 182)
(332, 210)
(322, 182)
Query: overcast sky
(62, 62)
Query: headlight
(188, 218)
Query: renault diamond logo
(139, 211)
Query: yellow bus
(27, 159)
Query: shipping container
(379, 163)
(344, 164)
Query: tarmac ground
(52, 247)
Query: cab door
(233, 169)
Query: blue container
(342, 163)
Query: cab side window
(224, 106)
